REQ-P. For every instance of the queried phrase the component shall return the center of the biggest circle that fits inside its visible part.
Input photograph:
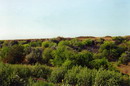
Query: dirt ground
(125, 68)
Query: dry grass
(124, 68)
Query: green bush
(70, 76)
(47, 55)
(47, 44)
(32, 82)
(83, 58)
(35, 56)
(118, 39)
(57, 75)
(14, 54)
(88, 42)
(98, 63)
(97, 56)
(110, 50)
(41, 71)
(22, 71)
(61, 54)
(35, 44)
(125, 58)
(107, 78)
(69, 63)
(84, 77)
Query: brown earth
(124, 68)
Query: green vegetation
(64, 62)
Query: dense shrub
(14, 54)
(118, 39)
(41, 71)
(57, 75)
(88, 42)
(35, 44)
(27, 49)
(18, 75)
(22, 71)
(46, 44)
(72, 62)
(64, 43)
(125, 58)
(97, 56)
(70, 76)
(32, 82)
(69, 63)
(85, 77)
(83, 58)
(47, 55)
(98, 63)
(61, 54)
(107, 78)
(110, 51)
(76, 44)
(35, 56)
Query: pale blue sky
(68, 18)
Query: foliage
(125, 57)
(64, 62)
(47, 55)
(14, 54)
(83, 58)
(35, 44)
(88, 42)
(110, 50)
(61, 54)
(46, 44)
(118, 39)
(57, 75)
(98, 63)
(34, 56)
(70, 76)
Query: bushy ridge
(64, 62)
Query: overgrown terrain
(81, 61)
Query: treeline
(73, 62)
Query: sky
(23, 19)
